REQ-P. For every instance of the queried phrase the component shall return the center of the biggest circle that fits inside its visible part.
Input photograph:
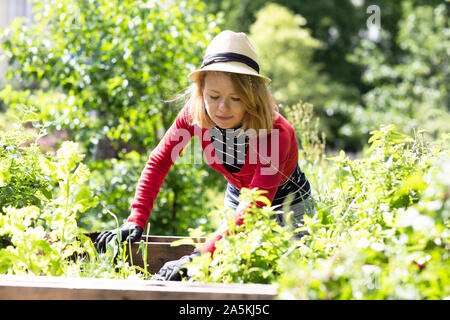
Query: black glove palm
(176, 270)
(127, 232)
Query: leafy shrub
(40, 199)
(381, 230)
(306, 126)
(21, 181)
(102, 72)
(113, 64)
(408, 89)
(251, 252)
(286, 49)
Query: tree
(285, 48)
(119, 63)
(335, 23)
(103, 72)
(339, 25)
(412, 92)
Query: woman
(243, 137)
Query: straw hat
(231, 52)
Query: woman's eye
(214, 97)
(236, 99)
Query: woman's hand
(129, 231)
(176, 270)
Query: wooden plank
(158, 253)
(152, 238)
(159, 250)
(168, 239)
(14, 287)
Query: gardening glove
(176, 270)
(129, 231)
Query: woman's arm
(158, 165)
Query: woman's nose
(223, 104)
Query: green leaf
(183, 241)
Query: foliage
(285, 48)
(21, 182)
(40, 236)
(411, 91)
(41, 228)
(142, 54)
(251, 252)
(311, 139)
(381, 229)
(102, 72)
(181, 203)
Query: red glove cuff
(210, 244)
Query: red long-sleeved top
(278, 149)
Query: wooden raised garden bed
(62, 288)
(159, 250)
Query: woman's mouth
(224, 118)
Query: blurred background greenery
(99, 73)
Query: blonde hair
(261, 109)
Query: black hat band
(230, 56)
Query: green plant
(116, 88)
(409, 89)
(306, 126)
(102, 73)
(21, 182)
(251, 252)
(381, 229)
(41, 228)
(39, 233)
(286, 52)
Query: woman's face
(223, 104)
